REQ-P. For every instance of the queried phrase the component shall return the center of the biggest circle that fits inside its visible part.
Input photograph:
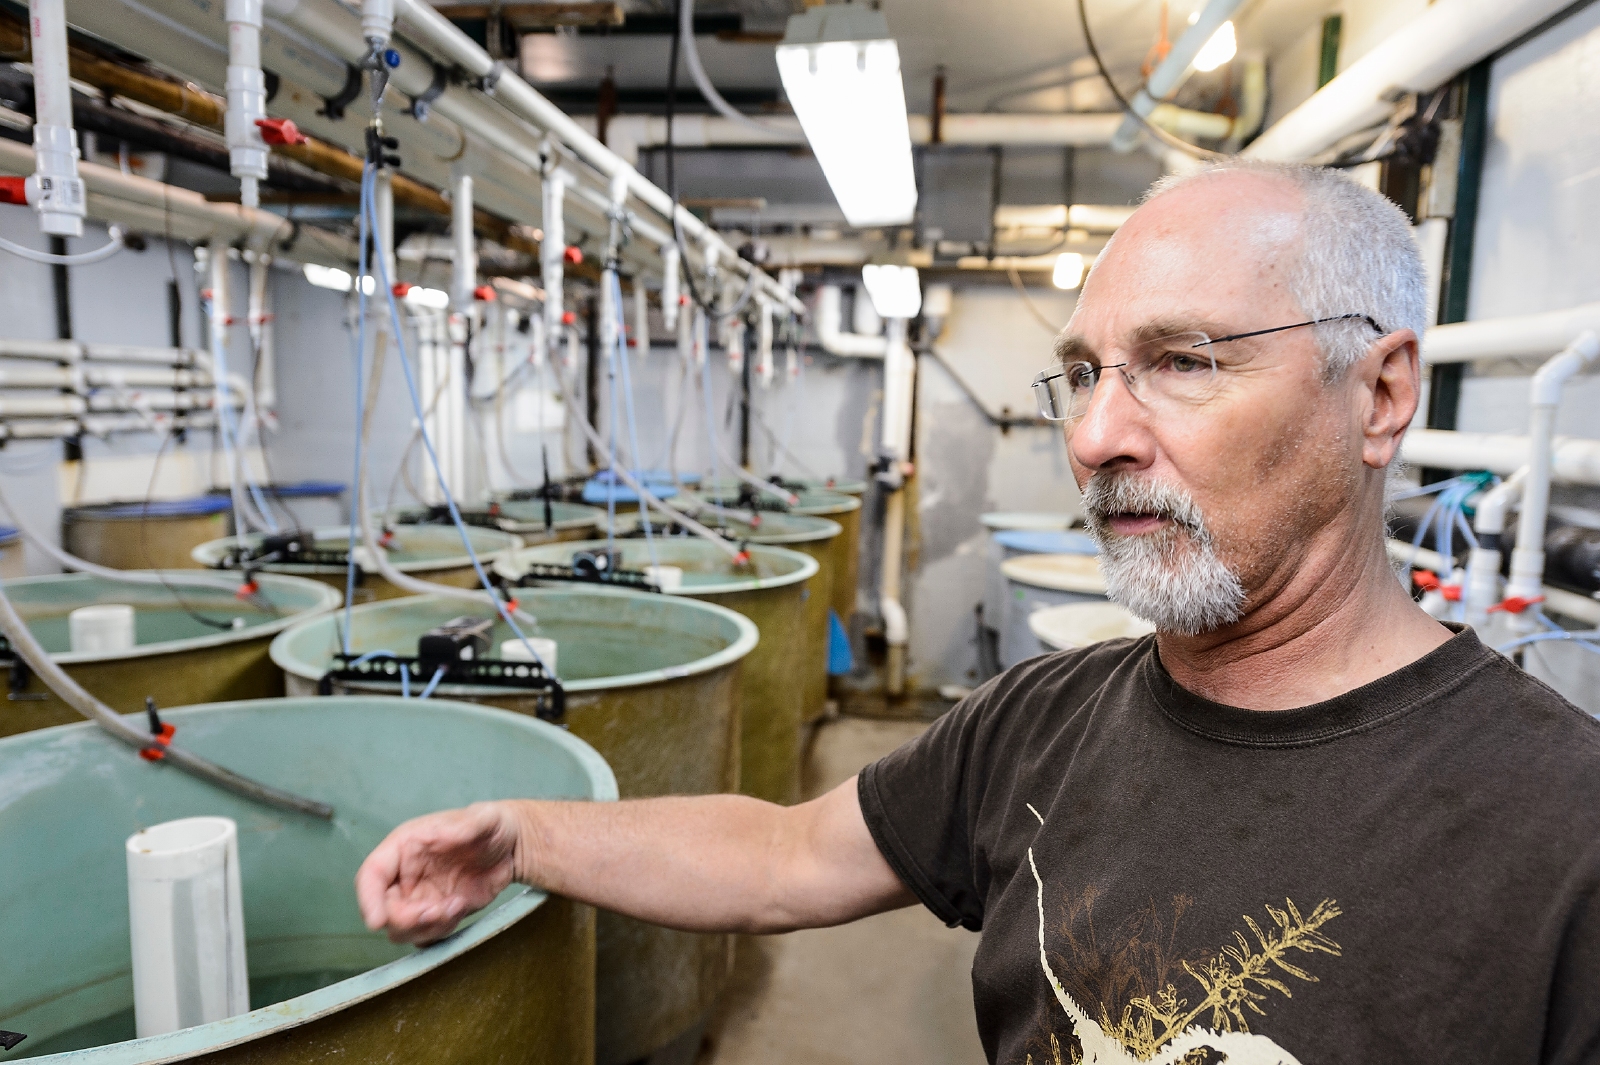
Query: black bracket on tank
(10, 1039)
(481, 672)
(538, 572)
(439, 514)
(17, 685)
(289, 549)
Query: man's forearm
(709, 863)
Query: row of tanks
(696, 684)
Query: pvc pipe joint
(55, 190)
(377, 22)
(247, 98)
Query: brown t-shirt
(1406, 873)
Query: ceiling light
(841, 73)
(1222, 46)
(1068, 272)
(329, 277)
(896, 291)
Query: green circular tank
(322, 987)
(839, 507)
(427, 552)
(177, 659)
(769, 590)
(817, 537)
(651, 682)
(154, 534)
(841, 485)
(525, 518)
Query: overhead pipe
(1505, 338)
(430, 28)
(831, 334)
(1172, 71)
(1573, 460)
(1527, 559)
(1446, 38)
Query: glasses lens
(1048, 393)
(1179, 369)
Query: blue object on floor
(1046, 542)
(840, 660)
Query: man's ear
(1391, 381)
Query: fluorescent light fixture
(1223, 46)
(329, 277)
(841, 73)
(434, 299)
(895, 290)
(1068, 272)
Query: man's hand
(431, 872)
(708, 863)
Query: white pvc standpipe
(186, 922)
(464, 274)
(247, 100)
(552, 256)
(54, 190)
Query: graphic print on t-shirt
(1163, 1028)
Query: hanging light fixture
(841, 73)
(895, 291)
(1068, 272)
(1223, 46)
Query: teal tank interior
(322, 987)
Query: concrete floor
(892, 988)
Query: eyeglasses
(1176, 371)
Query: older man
(1304, 821)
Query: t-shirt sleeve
(917, 802)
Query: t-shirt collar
(1441, 669)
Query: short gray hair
(1358, 256)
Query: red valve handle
(484, 294)
(1427, 580)
(400, 288)
(568, 318)
(280, 131)
(573, 254)
(14, 190)
(1516, 604)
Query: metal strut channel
(481, 672)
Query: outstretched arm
(714, 863)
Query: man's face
(1204, 509)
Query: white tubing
(1444, 39)
(186, 918)
(1573, 460)
(691, 56)
(1504, 338)
(831, 335)
(1527, 560)
(1173, 70)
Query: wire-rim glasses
(1179, 369)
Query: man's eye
(1183, 362)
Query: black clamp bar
(333, 106)
(421, 104)
(538, 572)
(481, 672)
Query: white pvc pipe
(552, 257)
(1527, 560)
(1173, 70)
(247, 100)
(830, 332)
(1444, 39)
(464, 268)
(258, 318)
(1482, 586)
(1573, 460)
(55, 190)
(1503, 338)
(186, 919)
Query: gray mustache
(1108, 494)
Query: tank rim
(208, 553)
(807, 567)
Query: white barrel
(1074, 625)
(1008, 541)
(187, 925)
(1034, 582)
(105, 628)
(667, 578)
(516, 651)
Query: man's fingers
(373, 880)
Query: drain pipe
(55, 190)
(464, 272)
(259, 320)
(899, 380)
(247, 100)
(1481, 589)
(831, 334)
(1527, 560)
(1173, 71)
(553, 255)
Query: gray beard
(1173, 578)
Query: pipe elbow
(1496, 503)
(1553, 376)
(830, 333)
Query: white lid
(1062, 573)
(1081, 624)
(1023, 519)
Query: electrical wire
(1122, 101)
(1027, 301)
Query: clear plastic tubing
(186, 923)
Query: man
(1303, 822)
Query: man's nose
(1114, 433)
